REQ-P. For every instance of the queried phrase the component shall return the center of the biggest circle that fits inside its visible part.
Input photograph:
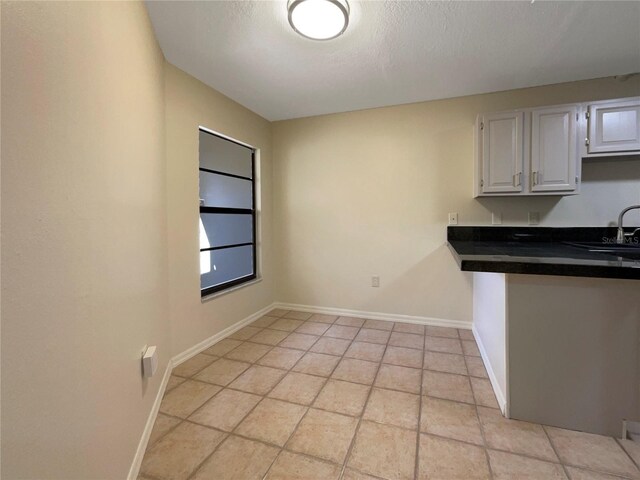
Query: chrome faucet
(621, 235)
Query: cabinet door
(614, 126)
(554, 149)
(502, 152)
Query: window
(227, 213)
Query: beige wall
(100, 167)
(367, 193)
(84, 249)
(189, 104)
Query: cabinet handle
(517, 179)
(535, 178)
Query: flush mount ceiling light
(319, 19)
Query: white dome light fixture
(319, 19)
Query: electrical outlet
(375, 281)
(534, 218)
(496, 218)
(453, 219)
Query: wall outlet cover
(453, 219)
(496, 218)
(150, 361)
(375, 281)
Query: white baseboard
(196, 349)
(151, 420)
(433, 322)
(500, 395)
(175, 361)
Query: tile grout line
(348, 381)
(264, 396)
(430, 434)
(355, 432)
(482, 433)
(381, 362)
(180, 418)
(619, 442)
(228, 434)
(364, 407)
(309, 406)
(352, 340)
(484, 441)
(416, 467)
(553, 447)
(475, 406)
(326, 379)
(582, 467)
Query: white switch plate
(496, 218)
(534, 218)
(453, 219)
(375, 281)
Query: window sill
(230, 290)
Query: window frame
(205, 292)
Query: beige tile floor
(302, 396)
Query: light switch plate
(453, 219)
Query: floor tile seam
(416, 466)
(619, 443)
(242, 391)
(199, 466)
(201, 407)
(157, 440)
(453, 373)
(614, 475)
(295, 429)
(490, 448)
(457, 401)
(583, 467)
(326, 379)
(287, 445)
(343, 472)
(485, 376)
(247, 361)
(360, 420)
(400, 365)
(601, 472)
(466, 442)
(555, 451)
(266, 395)
(483, 435)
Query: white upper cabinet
(553, 149)
(614, 127)
(502, 152)
(539, 151)
(528, 152)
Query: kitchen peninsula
(556, 314)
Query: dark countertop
(541, 251)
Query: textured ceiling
(394, 52)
